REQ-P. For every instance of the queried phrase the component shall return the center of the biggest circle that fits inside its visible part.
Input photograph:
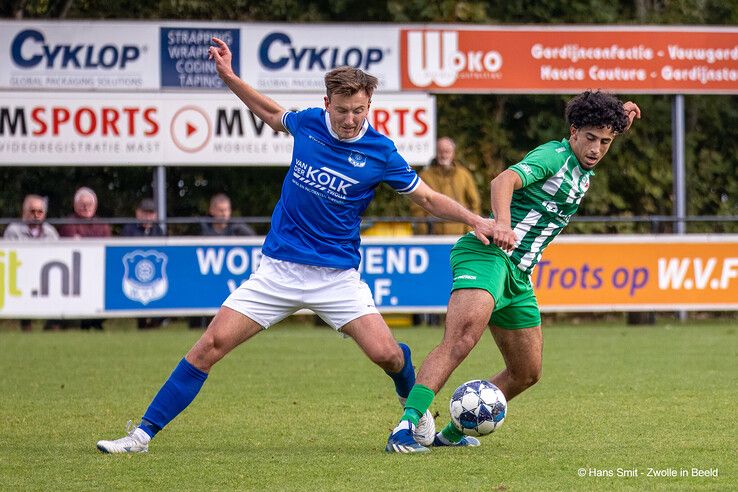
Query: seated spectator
(33, 226)
(85, 208)
(146, 217)
(145, 226)
(220, 211)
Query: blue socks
(177, 392)
(186, 380)
(405, 379)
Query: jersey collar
(364, 128)
(565, 143)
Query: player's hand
(632, 111)
(222, 56)
(503, 236)
(483, 229)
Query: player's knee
(205, 353)
(390, 359)
(462, 346)
(528, 377)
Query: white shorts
(279, 288)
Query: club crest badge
(145, 276)
(357, 159)
(584, 183)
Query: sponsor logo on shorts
(465, 277)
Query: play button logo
(191, 129)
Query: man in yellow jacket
(448, 176)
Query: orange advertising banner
(638, 273)
(570, 59)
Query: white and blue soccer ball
(478, 408)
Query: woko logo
(29, 49)
(434, 57)
(277, 52)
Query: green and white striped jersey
(553, 185)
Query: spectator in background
(146, 217)
(85, 208)
(33, 227)
(145, 226)
(220, 210)
(448, 176)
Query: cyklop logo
(434, 58)
(277, 52)
(29, 49)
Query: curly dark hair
(597, 109)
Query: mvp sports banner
(77, 129)
(565, 59)
(188, 276)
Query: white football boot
(137, 441)
(425, 431)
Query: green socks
(451, 433)
(418, 401)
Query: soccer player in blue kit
(311, 255)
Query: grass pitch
(299, 408)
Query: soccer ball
(478, 408)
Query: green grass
(299, 408)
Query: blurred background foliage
(492, 131)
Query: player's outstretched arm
(265, 108)
(443, 207)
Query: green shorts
(476, 266)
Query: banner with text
(195, 277)
(638, 273)
(186, 276)
(295, 57)
(180, 129)
(55, 280)
(79, 55)
(551, 59)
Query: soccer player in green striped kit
(532, 202)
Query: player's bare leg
(522, 351)
(373, 336)
(228, 329)
(469, 311)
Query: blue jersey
(329, 185)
